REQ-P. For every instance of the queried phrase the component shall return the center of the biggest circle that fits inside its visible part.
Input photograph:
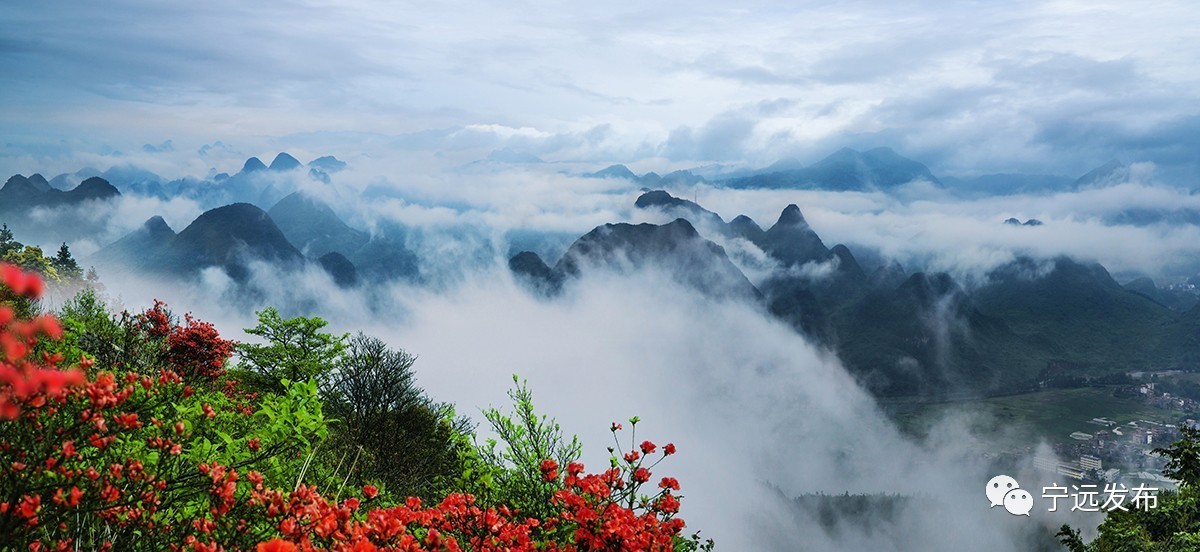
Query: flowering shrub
(147, 458)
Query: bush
(163, 448)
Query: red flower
(370, 491)
(30, 505)
(549, 469)
(648, 447)
(21, 282)
(669, 483)
(669, 449)
(276, 545)
(641, 475)
(253, 444)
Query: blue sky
(967, 87)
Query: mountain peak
(509, 155)
(253, 164)
(327, 164)
(40, 182)
(1107, 173)
(18, 183)
(94, 188)
(283, 162)
(339, 268)
(613, 171)
(791, 216)
(156, 226)
(218, 235)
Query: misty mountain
(1017, 222)
(67, 181)
(1111, 172)
(39, 183)
(534, 272)
(20, 193)
(252, 165)
(386, 255)
(650, 179)
(284, 162)
(1174, 299)
(1006, 184)
(327, 164)
(228, 237)
(915, 334)
(792, 241)
(1073, 309)
(844, 170)
(613, 171)
(546, 244)
(256, 183)
(676, 248)
(510, 156)
(225, 236)
(313, 227)
(744, 227)
(143, 247)
(44, 215)
(682, 208)
(340, 268)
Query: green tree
(1172, 526)
(65, 264)
(1184, 457)
(507, 469)
(8, 243)
(295, 349)
(31, 258)
(397, 434)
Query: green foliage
(506, 470)
(31, 258)
(296, 349)
(65, 264)
(1172, 526)
(220, 419)
(135, 450)
(1184, 455)
(90, 327)
(389, 429)
(8, 242)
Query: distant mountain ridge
(899, 333)
(21, 193)
(877, 169)
(845, 170)
(231, 236)
(228, 237)
(675, 247)
(256, 182)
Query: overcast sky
(966, 87)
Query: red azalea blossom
(100, 444)
(549, 469)
(276, 545)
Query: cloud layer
(1039, 87)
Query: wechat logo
(1003, 490)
